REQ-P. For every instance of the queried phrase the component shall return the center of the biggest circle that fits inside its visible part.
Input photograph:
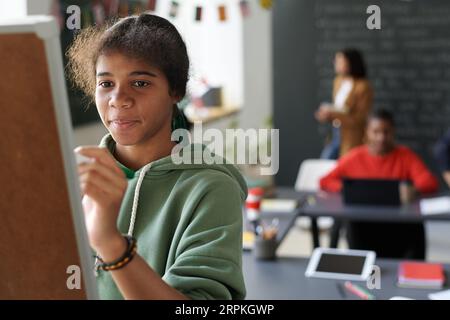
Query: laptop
(384, 192)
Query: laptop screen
(371, 191)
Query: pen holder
(265, 249)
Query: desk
(284, 278)
(331, 205)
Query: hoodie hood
(193, 151)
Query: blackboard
(82, 110)
(408, 62)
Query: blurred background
(271, 65)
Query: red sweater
(401, 163)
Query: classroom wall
(294, 85)
(13, 9)
(407, 60)
(257, 62)
(257, 71)
(237, 52)
(215, 48)
(38, 6)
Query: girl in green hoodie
(186, 219)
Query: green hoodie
(188, 226)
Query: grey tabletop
(284, 278)
(331, 204)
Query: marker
(82, 159)
(358, 291)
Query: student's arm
(358, 114)
(332, 182)
(103, 185)
(137, 280)
(424, 181)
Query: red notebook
(421, 275)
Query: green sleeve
(208, 263)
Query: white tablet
(341, 264)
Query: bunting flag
(111, 7)
(173, 9)
(245, 8)
(151, 5)
(98, 11)
(123, 8)
(266, 4)
(86, 17)
(222, 13)
(198, 13)
(138, 8)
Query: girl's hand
(103, 185)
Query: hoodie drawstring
(136, 197)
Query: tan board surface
(37, 238)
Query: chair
(309, 174)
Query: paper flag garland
(98, 11)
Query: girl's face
(341, 66)
(133, 99)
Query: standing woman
(352, 102)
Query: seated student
(442, 155)
(382, 158)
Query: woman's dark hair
(355, 62)
(384, 115)
(145, 37)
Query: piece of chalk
(82, 159)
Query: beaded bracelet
(128, 255)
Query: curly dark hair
(145, 37)
(356, 61)
(384, 115)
